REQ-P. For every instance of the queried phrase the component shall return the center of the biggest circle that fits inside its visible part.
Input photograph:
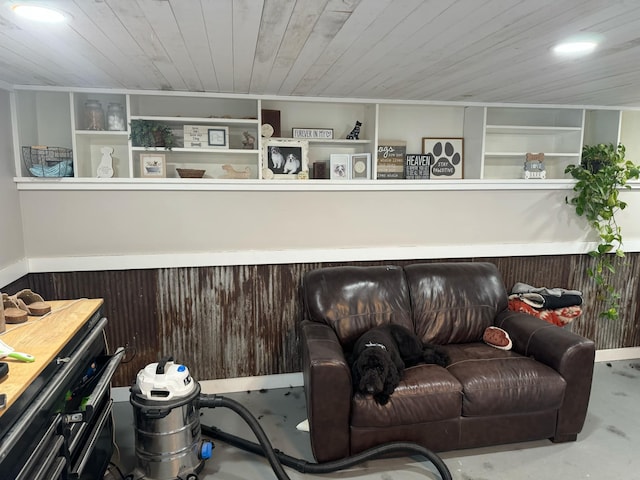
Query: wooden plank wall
(236, 321)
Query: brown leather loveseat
(538, 389)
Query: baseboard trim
(231, 385)
(13, 272)
(285, 380)
(613, 354)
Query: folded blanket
(559, 316)
(520, 287)
(538, 300)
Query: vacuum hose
(277, 458)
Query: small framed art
(285, 159)
(339, 166)
(360, 166)
(447, 157)
(218, 137)
(153, 165)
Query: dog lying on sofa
(382, 353)
(537, 389)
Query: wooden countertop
(43, 337)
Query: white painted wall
(79, 230)
(12, 261)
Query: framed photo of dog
(339, 166)
(285, 159)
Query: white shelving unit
(496, 137)
(87, 144)
(511, 133)
(338, 116)
(176, 111)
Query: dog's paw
(381, 398)
(435, 355)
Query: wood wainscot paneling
(236, 321)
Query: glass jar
(115, 117)
(93, 115)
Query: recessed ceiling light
(39, 14)
(582, 43)
(575, 47)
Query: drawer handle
(103, 384)
(60, 360)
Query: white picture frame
(285, 159)
(339, 166)
(153, 165)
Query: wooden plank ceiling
(450, 50)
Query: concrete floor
(607, 448)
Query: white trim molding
(206, 184)
(275, 257)
(231, 385)
(13, 272)
(613, 354)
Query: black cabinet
(61, 426)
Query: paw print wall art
(447, 157)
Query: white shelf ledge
(197, 120)
(529, 129)
(32, 183)
(521, 155)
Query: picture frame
(339, 166)
(285, 159)
(417, 166)
(447, 162)
(218, 137)
(312, 133)
(153, 165)
(360, 166)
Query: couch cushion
(454, 302)
(426, 393)
(497, 382)
(353, 300)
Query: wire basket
(48, 161)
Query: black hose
(213, 401)
(277, 458)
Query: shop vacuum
(169, 446)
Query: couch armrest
(327, 383)
(571, 355)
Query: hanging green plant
(603, 171)
(151, 133)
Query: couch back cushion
(454, 302)
(353, 300)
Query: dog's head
(371, 370)
(274, 150)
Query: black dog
(381, 354)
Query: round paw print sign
(446, 157)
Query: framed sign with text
(447, 157)
(312, 133)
